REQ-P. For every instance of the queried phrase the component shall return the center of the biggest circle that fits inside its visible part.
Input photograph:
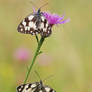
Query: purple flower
(55, 19)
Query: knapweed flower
(52, 20)
(55, 19)
(22, 54)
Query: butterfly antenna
(38, 75)
(48, 77)
(33, 4)
(43, 5)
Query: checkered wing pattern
(48, 89)
(27, 87)
(34, 87)
(34, 24)
(45, 27)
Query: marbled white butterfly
(34, 87)
(34, 24)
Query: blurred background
(67, 52)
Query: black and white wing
(45, 27)
(28, 25)
(33, 24)
(34, 87)
(48, 89)
(27, 87)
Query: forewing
(28, 25)
(27, 87)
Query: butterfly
(34, 87)
(34, 24)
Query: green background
(67, 52)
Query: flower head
(55, 19)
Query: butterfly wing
(48, 89)
(45, 27)
(28, 25)
(27, 87)
(34, 87)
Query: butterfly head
(40, 84)
(39, 11)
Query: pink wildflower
(55, 19)
(22, 54)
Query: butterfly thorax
(40, 85)
(38, 17)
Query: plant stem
(34, 58)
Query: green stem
(34, 58)
(37, 39)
